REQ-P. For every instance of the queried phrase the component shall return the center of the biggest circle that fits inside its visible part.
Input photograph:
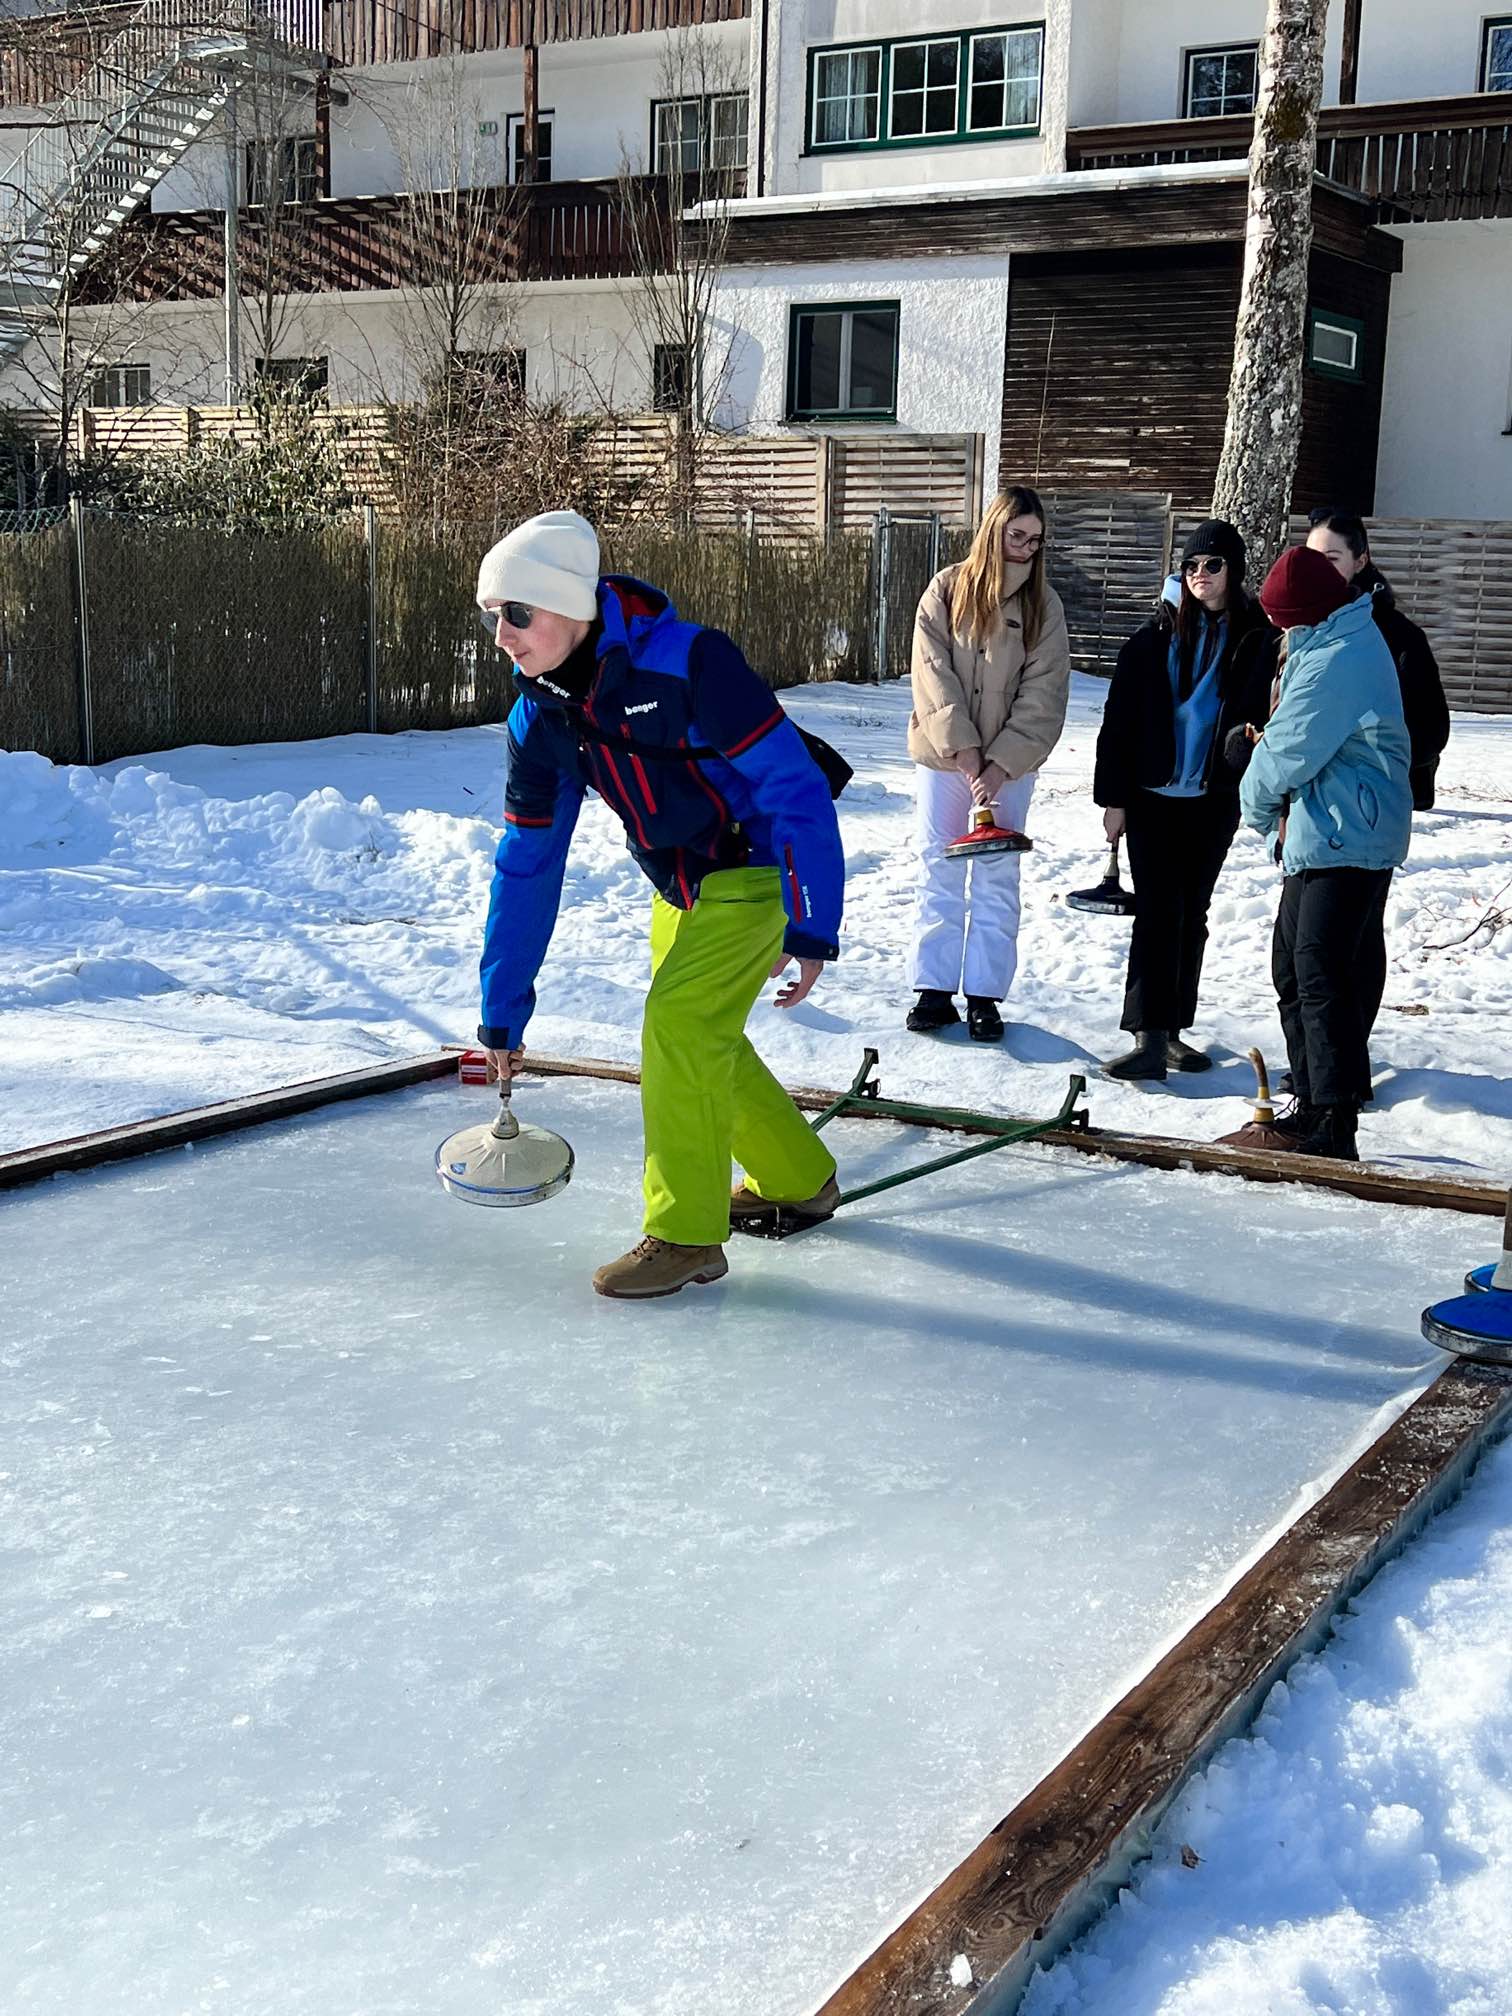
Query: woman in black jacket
(1342, 540)
(1183, 684)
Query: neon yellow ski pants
(705, 1094)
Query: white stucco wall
(952, 322)
(1408, 50)
(400, 116)
(796, 26)
(580, 342)
(1096, 55)
(1448, 389)
(1152, 38)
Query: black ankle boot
(1182, 1057)
(934, 1009)
(1332, 1133)
(1146, 1060)
(983, 1022)
(1298, 1121)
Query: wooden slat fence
(1453, 577)
(795, 484)
(1104, 561)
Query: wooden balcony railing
(1424, 160)
(401, 31)
(553, 231)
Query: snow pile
(179, 824)
(44, 808)
(86, 979)
(144, 815)
(1354, 1855)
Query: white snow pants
(964, 945)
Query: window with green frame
(926, 90)
(843, 361)
(1335, 344)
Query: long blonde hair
(977, 594)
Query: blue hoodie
(1334, 756)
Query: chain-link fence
(39, 682)
(122, 634)
(198, 635)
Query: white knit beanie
(549, 562)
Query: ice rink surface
(397, 1629)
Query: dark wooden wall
(392, 31)
(1117, 373)
(1341, 422)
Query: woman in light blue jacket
(1330, 774)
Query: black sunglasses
(1211, 563)
(517, 615)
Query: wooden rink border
(1049, 1868)
(201, 1123)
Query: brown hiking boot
(748, 1210)
(657, 1267)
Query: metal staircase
(155, 88)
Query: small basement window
(1335, 344)
(303, 377)
(843, 361)
(122, 385)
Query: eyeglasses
(1023, 543)
(1204, 564)
(518, 615)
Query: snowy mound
(85, 979)
(45, 808)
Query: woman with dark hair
(1343, 541)
(991, 674)
(1183, 683)
(1330, 775)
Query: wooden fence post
(81, 593)
(370, 669)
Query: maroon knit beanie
(1302, 589)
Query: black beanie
(1216, 535)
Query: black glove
(1238, 748)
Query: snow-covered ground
(208, 921)
(182, 928)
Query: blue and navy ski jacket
(747, 793)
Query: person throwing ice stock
(730, 817)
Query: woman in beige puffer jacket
(991, 674)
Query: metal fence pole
(370, 668)
(882, 548)
(936, 528)
(81, 590)
(747, 568)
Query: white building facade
(954, 218)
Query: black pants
(1328, 960)
(1176, 849)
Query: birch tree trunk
(1264, 427)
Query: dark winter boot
(1298, 1121)
(1146, 1060)
(983, 1022)
(934, 1009)
(1182, 1057)
(1332, 1133)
